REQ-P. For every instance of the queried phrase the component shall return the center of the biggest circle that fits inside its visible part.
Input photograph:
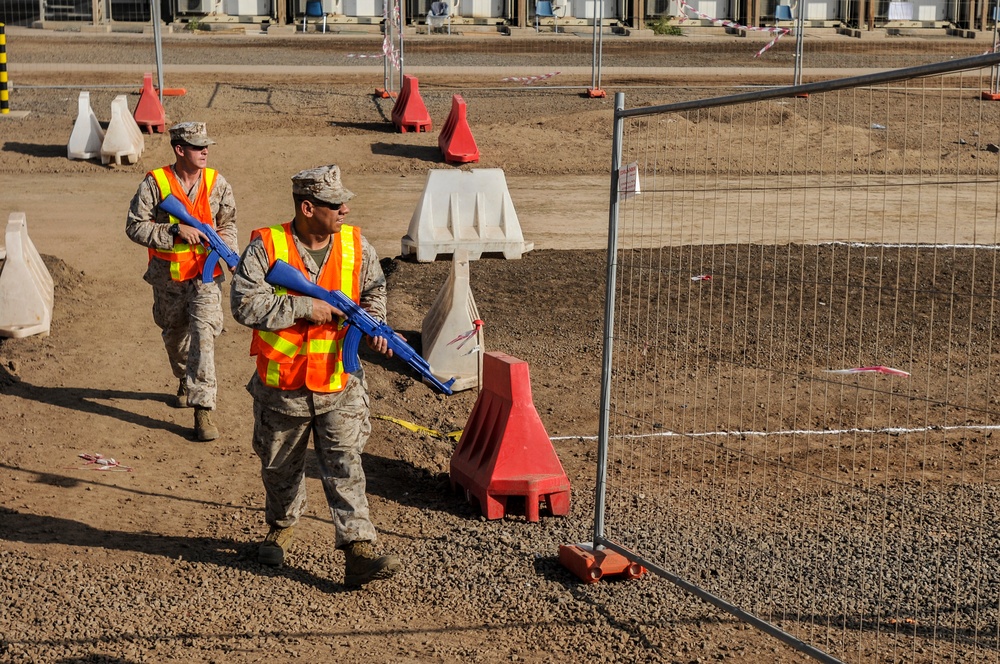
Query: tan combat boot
(364, 565)
(204, 430)
(275, 546)
(181, 400)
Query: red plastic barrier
(504, 450)
(409, 112)
(149, 114)
(456, 141)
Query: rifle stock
(359, 322)
(217, 246)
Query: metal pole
(386, 40)
(994, 72)
(799, 41)
(399, 18)
(154, 11)
(593, 62)
(609, 324)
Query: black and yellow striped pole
(4, 94)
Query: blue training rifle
(217, 246)
(359, 322)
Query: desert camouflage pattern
(322, 183)
(255, 305)
(192, 133)
(339, 437)
(283, 419)
(189, 314)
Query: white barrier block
(26, 289)
(453, 315)
(88, 135)
(469, 210)
(123, 142)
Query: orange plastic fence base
(991, 96)
(595, 93)
(172, 92)
(803, 95)
(382, 93)
(591, 566)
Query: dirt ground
(158, 564)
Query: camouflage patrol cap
(322, 183)
(192, 133)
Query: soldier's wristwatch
(175, 229)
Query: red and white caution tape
(465, 336)
(100, 462)
(779, 32)
(529, 80)
(365, 55)
(889, 371)
(702, 277)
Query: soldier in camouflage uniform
(300, 386)
(187, 311)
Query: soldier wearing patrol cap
(187, 311)
(300, 386)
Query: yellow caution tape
(454, 435)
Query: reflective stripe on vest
(306, 354)
(186, 261)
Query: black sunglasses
(324, 204)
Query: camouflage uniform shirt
(148, 225)
(255, 305)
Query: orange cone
(456, 141)
(149, 113)
(504, 450)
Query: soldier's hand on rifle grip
(190, 235)
(323, 312)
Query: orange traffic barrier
(149, 114)
(504, 450)
(590, 565)
(456, 141)
(409, 112)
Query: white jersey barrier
(469, 210)
(452, 334)
(88, 135)
(26, 290)
(123, 141)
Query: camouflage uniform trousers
(189, 315)
(339, 437)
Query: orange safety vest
(186, 262)
(305, 353)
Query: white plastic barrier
(88, 135)
(451, 333)
(26, 290)
(123, 142)
(469, 210)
